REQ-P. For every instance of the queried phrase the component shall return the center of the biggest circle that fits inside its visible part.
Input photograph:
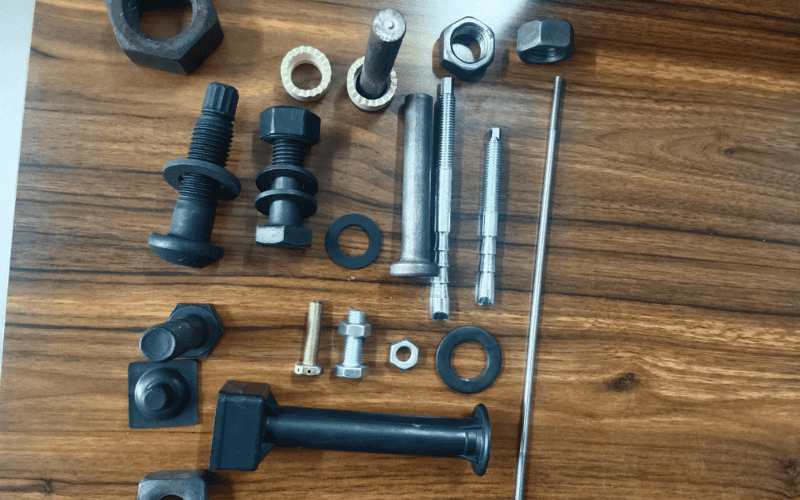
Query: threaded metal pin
(487, 230)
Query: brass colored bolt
(308, 365)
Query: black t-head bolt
(202, 181)
(249, 422)
(287, 188)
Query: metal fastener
(191, 330)
(415, 250)
(445, 128)
(487, 229)
(355, 330)
(308, 365)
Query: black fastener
(342, 223)
(444, 353)
(249, 422)
(191, 330)
(202, 181)
(288, 189)
(162, 394)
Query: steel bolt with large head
(545, 41)
(287, 188)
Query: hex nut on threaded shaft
(355, 330)
(487, 229)
(202, 181)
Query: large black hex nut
(181, 54)
(289, 122)
(184, 484)
(545, 41)
(466, 31)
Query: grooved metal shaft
(385, 36)
(308, 365)
(538, 281)
(445, 128)
(487, 227)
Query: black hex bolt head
(202, 181)
(288, 189)
(191, 330)
(162, 394)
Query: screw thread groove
(196, 187)
(352, 351)
(491, 175)
(356, 317)
(288, 152)
(447, 124)
(211, 140)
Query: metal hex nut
(464, 32)
(185, 484)
(353, 330)
(283, 236)
(289, 122)
(181, 54)
(412, 359)
(545, 41)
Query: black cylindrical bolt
(385, 37)
(202, 181)
(191, 330)
(288, 189)
(249, 423)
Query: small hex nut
(464, 32)
(354, 330)
(283, 236)
(412, 359)
(343, 371)
(181, 54)
(289, 122)
(185, 484)
(545, 41)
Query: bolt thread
(447, 125)
(288, 152)
(352, 351)
(213, 131)
(355, 317)
(196, 187)
(311, 345)
(491, 172)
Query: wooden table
(668, 364)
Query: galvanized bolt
(308, 365)
(355, 329)
(487, 231)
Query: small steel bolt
(308, 365)
(355, 329)
(484, 287)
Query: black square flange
(162, 394)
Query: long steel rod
(538, 282)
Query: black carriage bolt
(191, 330)
(249, 422)
(287, 188)
(202, 181)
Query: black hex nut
(181, 54)
(465, 32)
(545, 41)
(287, 188)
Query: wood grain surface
(668, 364)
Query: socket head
(308, 370)
(354, 330)
(545, 41)
(289, 122)
(344, 371)
(283, 236)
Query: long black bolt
(288, 189)
(191, 330)
(202, 181)
(249, 422)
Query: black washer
(342, 223)
(494, 359)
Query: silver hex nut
(355, 330)
(465, 32)
(412, 358)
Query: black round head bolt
(162, 394)
(202, 181)
(287, 188)
(191, 331)
(249, 422)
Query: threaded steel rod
(538, 281)
(490, 215)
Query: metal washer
(494, 359)
(369, 227)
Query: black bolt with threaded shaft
(202, 181)
(191, 331)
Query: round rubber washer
(369, 227)
(494, 359)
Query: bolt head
(545, 41)
(283, 236)
(308, 370)
(184, 252)
(344, 371)
(289, 122)
(355, 331)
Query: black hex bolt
(191, 330)
(249, 422)
(288, 189)
(202, 181)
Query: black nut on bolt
(466, 31)
(287, 188)
(181, 54)
(545, 41)
(191, 330)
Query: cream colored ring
(305, 55)
(361, 101)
